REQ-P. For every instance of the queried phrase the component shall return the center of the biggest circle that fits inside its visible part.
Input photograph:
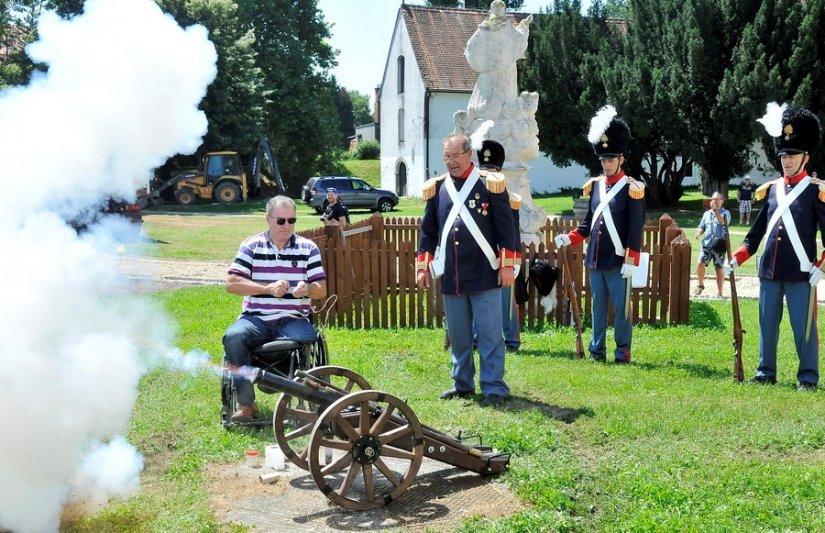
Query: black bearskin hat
(491, 155)
(795, 130)
(610, 136)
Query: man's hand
(729, 267)
(278, 288)
(506, 276)
(301, 290)
(627, 270)
(424, 279)
(816, 276)
(562, 240)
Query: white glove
(562, 240)
(627, 270)
(816, 275)
(730, 266)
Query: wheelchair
(283, 357)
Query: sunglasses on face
(282, 221)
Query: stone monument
(492, 51)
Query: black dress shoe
(806, 386)
(597, 358)
(762, 380)
(493, 400)
(449, 394)
(622, 361)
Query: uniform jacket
(467, 268)
(779, 261)
(628, 215)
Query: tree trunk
(712, 184)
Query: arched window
(400, 69)
(400, 125)
(401, 179)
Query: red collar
(796, 179)
(466, 173)
(612, 181)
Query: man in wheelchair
(278, 273)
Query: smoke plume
(120, 95)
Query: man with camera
(713, 229)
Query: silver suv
(352, 193)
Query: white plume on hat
(478, 136)
(600, 122)
(773, 118)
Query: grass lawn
(668, 443)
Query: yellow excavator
(221, 178)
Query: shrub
(368, 150)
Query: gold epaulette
(635, 188)
(762, 190)
(589, 186)
(430, 186)
(495, 182)
(821, 184)
(515, 201)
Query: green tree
(361, 110)
(294, 55)
(233, 102)
(345, 115)
(561, 65)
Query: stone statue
(492, 51)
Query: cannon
(363, 447)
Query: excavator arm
(263, 155)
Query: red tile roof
(439, 35)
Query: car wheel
(385, 205)
(227, 193)
(185, 196)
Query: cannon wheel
(298, 416)
(366, 448)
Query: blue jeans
(484, 308)
(610, 284)
(249, 332)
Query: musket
(738, 332)
(573, 298)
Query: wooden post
(679, 291)
(377, 222)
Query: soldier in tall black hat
(794, 208)
(614, 223)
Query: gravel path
(169, 273)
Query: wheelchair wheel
(316, 354)
(294, 418)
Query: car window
(311, 182)
(360, 185)
(342, 184)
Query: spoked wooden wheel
(378, 445)
(294, 418)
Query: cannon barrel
(298, 389)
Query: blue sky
(362, 29)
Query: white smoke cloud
(120, 96)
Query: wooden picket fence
(370, 267)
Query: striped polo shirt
(260, 260)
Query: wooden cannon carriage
(363, 447)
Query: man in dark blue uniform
(614, 223)
(794, 209)
(467, 237)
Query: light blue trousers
(610, 284)
(485, 308)
(770, 315)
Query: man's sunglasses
(282, 221)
